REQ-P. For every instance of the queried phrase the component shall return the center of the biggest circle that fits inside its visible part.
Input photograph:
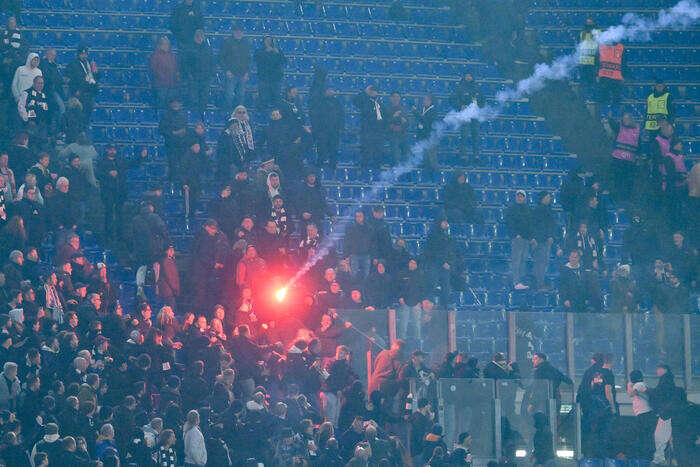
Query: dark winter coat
(519, 220)
(235, 56)
(184, 21)
(270, 65)
(358, 240)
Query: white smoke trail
(634, 28)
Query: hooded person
(236, 145)
(443, 260)
(198, 69)
(542, 441)
(310, 199)
(327, 118)
(432, 441)
(191, 168)
(623, 298)
(379, 289)
(85, 149)
(466, 93)
(578, 290)
(50, 444)
(210, 252)
(285, 144)
(459, 200)
(25, 74)
(270, 62)
(273, 187)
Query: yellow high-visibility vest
(657, 109)
(589, 49)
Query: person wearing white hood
(50, 444)
(24, 75)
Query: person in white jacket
(195, 449)
(24, 75)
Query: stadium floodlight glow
(565, 453)
(280, 294)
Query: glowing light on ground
(280, 294)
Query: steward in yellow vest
(589, 47)
(659, 107)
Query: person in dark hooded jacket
(173, 127)
(358, 246)
(467, 93)
(431, 441)
(209, 255)
(572, 191)
(226, 211)
(217, 451)
(542, 441)
(381, 235)
(412, 290)
(593, 212)
(310, 200)
(373, 126)
(185, 19)
(247, 194)
(544, 231)
(112, 171)
(519, 224)
(83, 77)
(664, 400)
(425, 118)
(459, 200)
(270, 62)
(149, 235)
(379, 290)
(327, 118)
(198, 69)
(443, 260)
(285, 144)
(543, 370)
(192, 165)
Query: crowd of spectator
(207, 381)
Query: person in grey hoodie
(9, 387)
(24, 75)
(85, 150)
(195, 449)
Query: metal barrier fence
(498, 413)
(499, 416)
(637, 341)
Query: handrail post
(687, 353)
(452, 330)
(570, 361)
(392, 325)
(629, 346)
(553, 418)
(579, 454)
(512, 348)
(498, 441)
(186, 190)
